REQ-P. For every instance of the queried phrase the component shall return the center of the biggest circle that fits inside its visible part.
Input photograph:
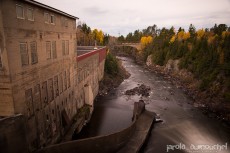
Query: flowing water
(184, 128)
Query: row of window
(51, 51)
(49, 18)
(47, 92)
(21, 13)
(25, 55)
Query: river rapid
(184, 127)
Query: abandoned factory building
(41, 75)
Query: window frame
(54, 50)
(23, 12)
(66, 23)
(46, 16)
(48, 52)
(52, 19)
(63, 47)
(29, 102)
(26, 54)
(33, 52)
(67, 47)
(29, 8)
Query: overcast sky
(123, 16)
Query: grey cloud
(95, 10)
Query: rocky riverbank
(112, 81)
(208, 101)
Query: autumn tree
(98, 36)
(192, 31)
(200, 33)
(146, 40)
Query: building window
(56, 91)
(20, 11)
(61, 82)
(34, 54)
(48, 50)
(29, 102)
(50, 90)
(24, 54)
(30, 14)
(68, 77)
(47, 19)
(37, 97)
(52, 19)
(44, 94)
(74, 25)
(66, 47)
(66, 23)
(1, 65)
(63, 47)
(54, 51)
(65, 81)
(63, 21)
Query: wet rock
(166, 98)
(142, 90)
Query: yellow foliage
(183, 35)
(146, 40)
(211, 39)
(225, 33)
(180, 35)
(172, 39)
(200, 33)
(98, 35)
(186, 35)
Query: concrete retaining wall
(101, 144)
(12, 135)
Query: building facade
(37, 58)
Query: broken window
(34, 54)
(50, 91)
(29, 102)
(48, 50)
(24, 54)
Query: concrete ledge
(129, 140)
(142, 130)
(101, 144)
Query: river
(184, 127)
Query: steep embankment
(114, 74)
(210, 99)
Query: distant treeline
(204, 52)
(88, 37)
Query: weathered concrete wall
(89, 71)
(45, 92)
(41, 91)
(13, 135)
(6, 100)
(101, 144)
